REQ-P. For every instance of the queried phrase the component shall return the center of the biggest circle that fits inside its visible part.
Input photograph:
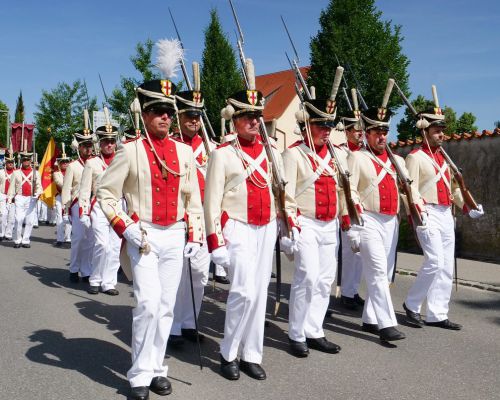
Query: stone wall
(479, 159)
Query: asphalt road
(58, 342)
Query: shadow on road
(117, 318)
(53, 277)
(99, 360)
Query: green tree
(19, 114)
(122, 97)
(60, 114)
(451, 120)
(220, 75)
(465, 123)
(368, 47)
(4, 118)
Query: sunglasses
(159, 111)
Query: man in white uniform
(7, 211)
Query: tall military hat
(9, 157)
(245, 101)
(379, 117)
(161, 92)
(107, 131)
(321, 111)
(191, 100)
(63, 157)
(352, 119)
(433, 116)
(85, 134)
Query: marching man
(63, 227)
(431, 176)
(7, 211)
(106, 252)
(375, 191)
(240, 218)
(158, 177)
(25, 187)
(190, 104)
(312, 177)
(351, 262)
(81, 236)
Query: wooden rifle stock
(405, 184)
(457, 174)
(344, 179)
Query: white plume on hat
(170, 52)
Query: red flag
(20, 135)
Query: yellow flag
(46, 168)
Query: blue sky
(451, 43)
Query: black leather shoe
(1, 238)
(413, 318)
(229, 369)
(175, 341)
(348, 302)
(370, 328)
(161, 386)
(85, 279)
(190, 334)
(253, 370)
(298, 349)
(26, 245)
(73, 277)
(445, 324)
(359, 300)
(323, 345)
(222, 279)
(93, 290)
(17, 245)
(58, 244)
(139, 393)
(111, 292)
(391, 334)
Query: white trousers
(156, 279)
(82, 244)
(379, 238)
(42, 212)
(106, 255)
(352, 269)
(251, 250)
(220, 271)
(63, 230)
(183, 312)
(435, 278)
(8, 217)
(25, 212)
(315, 269)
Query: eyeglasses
(159, 111)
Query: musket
(344, 174)
(345, 87)
(103, 91)
(457, 172)
(278, 180)
(205, 122)
(363, 103)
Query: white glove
(133, 235)
(191, 249)
(290, 245)
(477, 213)
(65, 218)
(85, 220)
(220, 256)
(425, 218)
(354, 236)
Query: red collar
(353, 147)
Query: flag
(46, 168)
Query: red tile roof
(279, 90)
(454, 137)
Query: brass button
(383, 187)
(157, 218)
(320, 203)
(157, 189)
(157, 203)
(173, 189)
(320, 190)
(174, 162)
(172, 217)
(156, 175)
(250, 206)
(154, 162)
(173, 203)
